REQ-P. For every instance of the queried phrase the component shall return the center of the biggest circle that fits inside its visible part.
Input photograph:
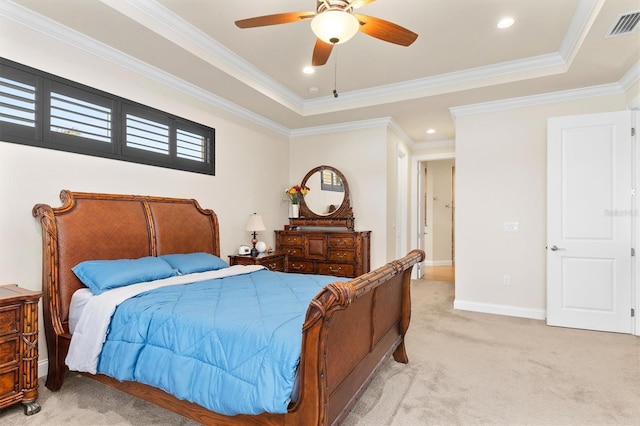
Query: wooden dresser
(341, 253)
(19, 347)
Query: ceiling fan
(333, 23)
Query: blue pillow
(194, 262)
(102, 275)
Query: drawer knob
(335, 270)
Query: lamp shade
(255, 223)
(334, 26)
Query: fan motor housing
(324, 5)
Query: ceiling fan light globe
(335, 25)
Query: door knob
(555, 248)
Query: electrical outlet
(506, 280)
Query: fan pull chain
(335, 71)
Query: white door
(589, 216)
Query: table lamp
(255, 224)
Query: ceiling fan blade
(278, 18)
(321, 53)
(359, 3)
(385, 30)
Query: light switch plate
(511, 227)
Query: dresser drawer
(9, 319)
(340, 241)
(9, 351)
(293, 251)
(274, 264)
(292, 240)
(342, 255)
(9, 382)
(337, 269)
(303, 266)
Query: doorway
(438, 224)
(433, 214)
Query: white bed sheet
(79, 300)
(92, 314)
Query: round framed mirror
(327, 203)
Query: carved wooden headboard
(106, 226)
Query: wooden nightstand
(19, 347)
(272, 261)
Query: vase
(294, 211)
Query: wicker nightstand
(19, 347)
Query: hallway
(439, 273)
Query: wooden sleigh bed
(349, 329)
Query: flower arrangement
(294, 193)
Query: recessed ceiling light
(506, 22)
(308, 69)
(431, 131)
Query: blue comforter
(231, 345)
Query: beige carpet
(465, 369)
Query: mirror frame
(341, 216)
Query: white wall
(398, 194)
(501, 177)
(361, 156)
(251, 162)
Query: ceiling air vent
(624, 24)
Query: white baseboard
(43, 368)
(438, 263)
(511, 311)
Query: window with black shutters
(44, 110)
(18, 104)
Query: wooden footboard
(349, 330)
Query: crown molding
(553, 63)
(162, 21)
(155, 16)
(546, 98)
(50, 28)
(631, 77)
(444, 143)
(341, 127)
(395, 128)
(384, 122)
(586, 13)
(435, 85)
(165, 23)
